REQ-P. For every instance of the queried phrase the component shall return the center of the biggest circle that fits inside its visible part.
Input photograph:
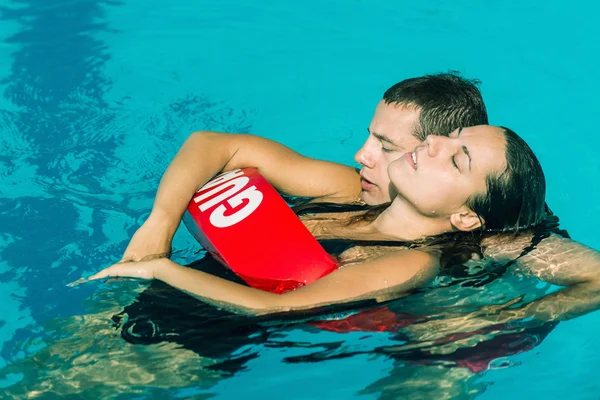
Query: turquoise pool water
(97, 96)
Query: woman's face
(444, 172)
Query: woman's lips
(408, 157)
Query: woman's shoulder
(392, 255)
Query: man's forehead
(383, 137)
(395, 123)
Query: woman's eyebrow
(466, 151)
(464, 148)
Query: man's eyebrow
(382, 137)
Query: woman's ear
(466, 220)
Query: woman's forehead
(486, 146)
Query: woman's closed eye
(454, 163)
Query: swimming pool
(98, 96)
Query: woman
(479, 178)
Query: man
(409, 111)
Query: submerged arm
(389, 276)
(559, 261)
(556, 260)
(564, 262)
(205, 154)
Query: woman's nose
(435, 144)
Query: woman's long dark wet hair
(515, 199)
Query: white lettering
(220, 220)
(235, 186)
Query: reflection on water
(57, 150)
(76, 177)
(133, 335)
(85, 355)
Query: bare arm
(205, 154)
(564, 262)
(556, 260)
(386, 277)
(559, 261)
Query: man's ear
(466, 220)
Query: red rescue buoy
(243, 222)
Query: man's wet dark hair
(445, 101)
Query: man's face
(390, 136)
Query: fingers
(116, 270)
(80, 281)
(105, 273)
(102, 274)
(127, 267)
(77, 282)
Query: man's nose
(365, 157)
